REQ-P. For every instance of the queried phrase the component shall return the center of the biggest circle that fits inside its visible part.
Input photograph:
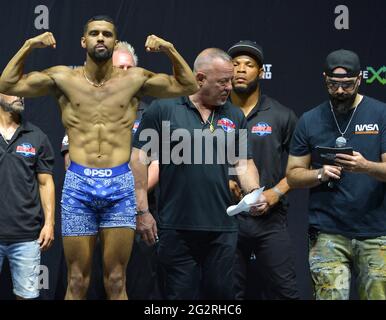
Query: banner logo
(372, 75)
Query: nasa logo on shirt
(369, 128)
(26, 150)
(136, 125)
(226, 124)
(262, 129)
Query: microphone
(340, 142)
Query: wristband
(278, 192)
(141, 212)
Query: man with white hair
(197, 240)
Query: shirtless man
(98, 104)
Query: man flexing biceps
(98, 104)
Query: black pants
(264, 266)
(141, 272)
(197, 264)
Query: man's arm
(357, 163)
(247, 174)
(67, 160)
(153, 175)
(300, 175)
(274, 194)
(146, 225)
(34, 84)
(182, 83)
(47, 198)
(249, 180)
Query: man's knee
(331, 280)
(115, 281)
(78, 283)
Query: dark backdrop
(296, 36)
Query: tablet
(326, 155)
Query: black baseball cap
(345, 59)
(247, 47)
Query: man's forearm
(141, 179)
(377, 170)
(181, 70)
(47, 198)
(248, 176)
(153, 175)
(302, 178)
(282, 186)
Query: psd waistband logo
(100, 173)
(26, 150)
(262, 129)
(366, 129)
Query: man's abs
(100, 147)
(98, 121)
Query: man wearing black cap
(265, 237)
(347, 199)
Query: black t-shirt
(270, 129)
(28, 153)
(194, 195)
(355, 207)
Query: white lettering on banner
(42, 20)
(267, 71)
(342, 20)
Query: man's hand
(235, 190)
(331, 172)
(355, 163)
(156, 44)
(147, 228)
(272, 199)
(260, 207)
(43, 41)
(46, 237)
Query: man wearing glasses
(347, 211)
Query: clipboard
(326, 155)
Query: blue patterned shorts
(94, 198)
